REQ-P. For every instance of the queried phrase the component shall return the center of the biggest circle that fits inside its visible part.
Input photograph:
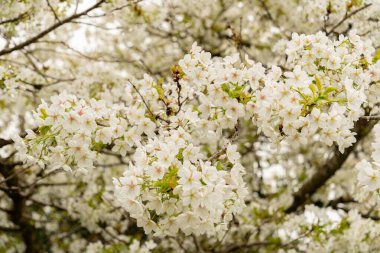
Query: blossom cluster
(321, 96)
(73, 131)
(219, 93)
(369, 171)
(182, 137)
(171, 187)
(185, 175)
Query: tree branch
(11, 20)
(53, 11)
(146, 104)
(271, 18)
(50, 29)
(347, 16)
(16, 214)
(4, 142)
(328, 169)
(373, 117)
(9, 229)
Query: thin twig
(11, 20)
(146, 104)
(374, 117)
(53, 11)
(347, 16)
(48, 30)
(223, 150)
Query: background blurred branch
(48, 30)
(328, 169)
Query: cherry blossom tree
(189, 126)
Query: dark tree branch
(12, 20)
(373, 117)
(4, 142)
(328, 169)
(271, 18)
(50, 29)
(16, 214)
(347, 16)
(341, 204)
(9, 229)
(53, 11)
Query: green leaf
(364, 62)
(274, 240)
(244, 98)
(151, 117)
(160, 91)
(95, 201)
(179, 156)
(377, 56)
(162, 185)
(168, 182)
(343, 225)
(44, 129)
(236, 92)
(2, 84)
(318, 83)
(98, 146)
(226, 87)
(312, 88)
(329, 90)
(44, 114)
(357, 2)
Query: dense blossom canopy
(189, 126)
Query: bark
(30, 235)
(328, 169)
